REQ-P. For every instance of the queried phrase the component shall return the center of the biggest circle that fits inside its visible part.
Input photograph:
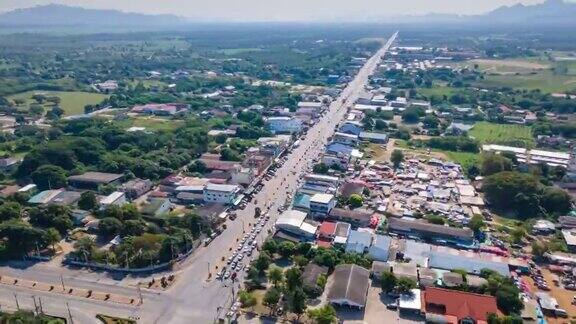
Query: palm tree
(275, 275)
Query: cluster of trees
(525, 195)
(389, 282)
(450, 143)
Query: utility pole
(140, 295)
(69, 313)
(40, 304)
(17, 304)
(35, 305)
(62, 281)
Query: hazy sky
(271, 10)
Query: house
(44, 197)
(243, 176)
(380, 248)
(93, 180)
(404, 270)
(427, 277)
(220, 193)
(156, 207)
(341, 233)
(310, 277)
(288, 125)
(339, 160)
(350, 286)
(311, 104)
(452, 279)
(106, 86)
(543, 227)
(345, 138)
(66, 198)
(455, 307)
(358, 242)
(339, 149)
(351, 127)
(293, 221)
(327, 231)
(136, 188)
(548, 304)
(322, 203)
(567, 222)
(351, 187)
(379, 267)
(379, 138)
(357, 217)
(410, 302)
(426, 230)
(8, 165)
(117, 198)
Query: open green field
(151, 123)
(72, 102)
(546, 81)
(465, 159)
(437, 90)
(518, 135)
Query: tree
(397, 157)
(323, 315)
(10, 210)
(110, 226)
(410, 116)
(271, 298)
(355, 200)
(320, 168)
(49, 177)
(431, 122)
(293, 279)
(300, 260)
(379, 124)
(538, 249)
(404, 284)
(262, 262)
(270, 246)
(247, 299)
(133, 227)
(275, 275)
(88, 201)
(57, 216)
(517, 234)
(286, 249)
(387, 281)
(513, 191)
(297, 301)
(476, 223)
(53, 237)
(494, 163)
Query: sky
(281, 10)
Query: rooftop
(459, 304)
(350, 283)
(321, 198)
(96, 177)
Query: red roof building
(455, 306)
(327, 230)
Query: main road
(196, 297)
(193, 299)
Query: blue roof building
(380, 249)
(339, 148)
(358, 242)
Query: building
(350, 286)
(161, 109)
(8, 165)
(342, 232)
(457, 307)
(326, 231)
(351, 127)
(379, 138)
(447, 261)
(220, 193)
(243, 176)
(117, 198)
(358, 242)
(532, 156)
(426, 230)
(567, 221)
(93, 180)
(66, 198)
(570, 238)
(411, 302)
(345, 138)
(339, 160)
(357, 217)
(543, 227)
(311, 104)
(380, 248)
(287, 125)
(136, 188)
(310, 277)
(322, 203)
(293, 221)
(156, 207)
(44, 197)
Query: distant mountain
(60, 15)
(550, 11)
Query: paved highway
(195, 298)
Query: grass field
(437, 90)
(465, 159)
(486, 132)
(151, 123)
(72, 102)
(546, 81)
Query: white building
(345, 138)
(532, 156)
(116, 198)
(284, 124)
(292, 221)
(322, 203)
(220, 193)
(243, 176)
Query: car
(392, 306)
(226, 275)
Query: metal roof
(471, 265)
